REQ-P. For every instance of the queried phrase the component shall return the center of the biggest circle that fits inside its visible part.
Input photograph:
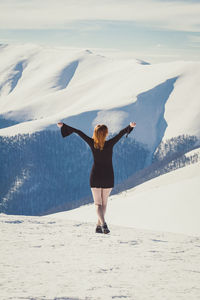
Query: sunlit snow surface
(55, 258)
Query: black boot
(99, 229)
(105, 228)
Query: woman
(102, 175)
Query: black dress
(102, 175)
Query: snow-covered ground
(170, 202)
(55, 258)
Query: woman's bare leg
(97, 196)
(100, 214)
(105, 192)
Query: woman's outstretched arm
(127, 130)
(67, 130)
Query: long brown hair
(99, 136)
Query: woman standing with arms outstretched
(102, 175)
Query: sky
(152, 30)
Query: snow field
(52, 258)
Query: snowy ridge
(40, 86)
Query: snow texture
(54, 258)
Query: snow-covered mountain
(40, 86)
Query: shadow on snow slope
(66, 75)
(148, 112)
(15, 75)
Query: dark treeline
(42, 172)
(177, 145)
(169, 156)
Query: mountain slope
(168, 203)
(40, 86)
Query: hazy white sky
(152, 29)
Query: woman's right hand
(132, 124)
(60, 124)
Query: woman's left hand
(60, 124)
(132, 124)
